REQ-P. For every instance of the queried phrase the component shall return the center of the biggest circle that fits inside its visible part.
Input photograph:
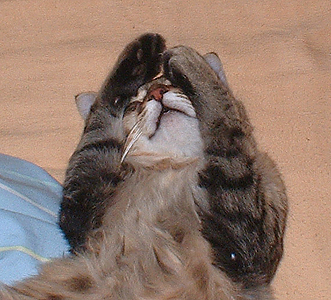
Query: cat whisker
(133, 136)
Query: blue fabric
(29, 204)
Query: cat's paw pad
(144, 56)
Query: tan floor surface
(277, 55)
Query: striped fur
(248, 206)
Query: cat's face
(161, 121)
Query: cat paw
(149, 55)
(184, 67)
(139, 62)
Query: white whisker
(133, 136)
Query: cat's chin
(162, 124)
(175, 141)
(171, 122)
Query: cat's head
(160, 121)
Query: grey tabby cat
(167, 195)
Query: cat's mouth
(169, 106)
(165, 111)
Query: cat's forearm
(247, 202)
(95, 168)
(94, 172)
(246, 220)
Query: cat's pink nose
(157, 93)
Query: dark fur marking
(230, 254)
(103, 145)
(178, 235)
(237, 242)
(216, 177)
(227, 142)
(80, 284)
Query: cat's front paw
(185, 67)
(149, 55)
(139, 62)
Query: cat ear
(84, 101)
(215, 63)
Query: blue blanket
(29, 204)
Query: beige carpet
(277, 55)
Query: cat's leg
(246, 219)
(95, 170)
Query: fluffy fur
(154, 211)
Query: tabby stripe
(215, 177)
(103, 145)
(216, 150)
(94, 124)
